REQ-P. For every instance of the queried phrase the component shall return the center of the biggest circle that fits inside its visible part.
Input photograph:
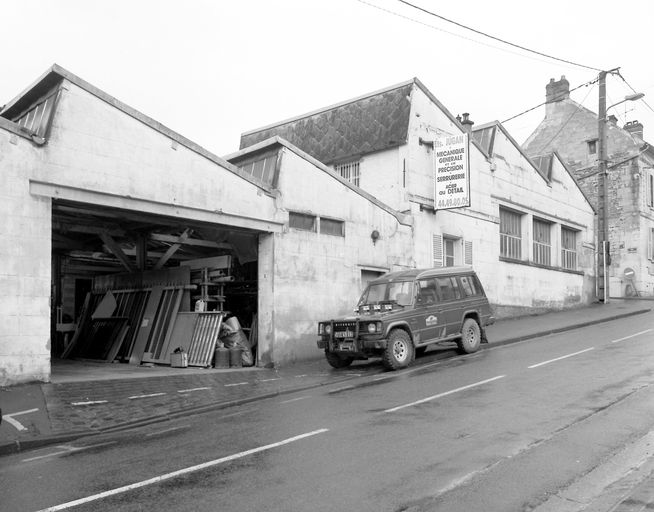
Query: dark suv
(404, 312)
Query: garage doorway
(132, 287)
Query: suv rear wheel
(337, 361)
(470, 336)
(399, 351)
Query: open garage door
(134, 287)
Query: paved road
(504, 429)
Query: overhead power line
(496, 38)
(633, 90)
(546, 102)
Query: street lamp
(603, 256)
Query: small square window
(592, 147)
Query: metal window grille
(568, 248)
(37, 118)
(349, 171)
(510, 234)
(542, 243)
(302, 221)
(262, 169)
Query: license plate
(344, 334)
(346, 345)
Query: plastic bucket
(221, 358)
(235, 360)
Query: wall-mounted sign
(451, 172)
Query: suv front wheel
(470, 336)
(399, 351)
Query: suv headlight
(374, 327)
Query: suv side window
(448, 288)
(427, 292)
(469, 285)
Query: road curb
(18, 445)
(558, 330)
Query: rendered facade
(100, 198)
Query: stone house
(571, 130)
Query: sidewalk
(88, 398)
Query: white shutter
(649, 189)
(467, 252)
(650, 244)
(437, 250)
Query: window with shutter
(467, 252)
(437, 250)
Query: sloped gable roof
(369, 123)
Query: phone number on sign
(452, 202)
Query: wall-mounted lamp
(374, 236)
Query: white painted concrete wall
(317, 276)
(25, 245)
(101, 155)
(511, 287)
(96, 147)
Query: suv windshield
(400, 292)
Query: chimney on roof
(557, 91)
(635, 128)
(466, 122)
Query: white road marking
(269, 380)
(440, 395)
(90, 402)
(180, 472)
(236, 384)
(68, 449)
(632, 336)
(15, 423)
(300, 376)
(562, 357)
(295, 399)
(145, 396)
(192, 389)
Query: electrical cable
(460, 36)
(496, 38)
(633, 90)
(546, 102)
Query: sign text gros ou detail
(451, 174)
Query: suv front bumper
(360, 345)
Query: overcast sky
(213, 69)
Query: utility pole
(602, 198)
